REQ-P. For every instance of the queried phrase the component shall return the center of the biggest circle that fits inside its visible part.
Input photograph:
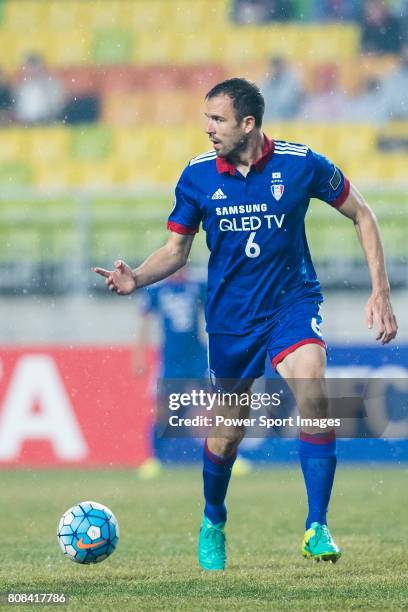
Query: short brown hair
(246, 98)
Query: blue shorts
(243, 357)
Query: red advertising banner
(76, 406)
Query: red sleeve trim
(344, 194)
(281, 356)
(181, 229)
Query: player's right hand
(121, 280)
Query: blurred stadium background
(100, 109)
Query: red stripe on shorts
(281, 356)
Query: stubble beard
(237, 149)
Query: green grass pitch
(154, 567)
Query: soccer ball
(88, 532)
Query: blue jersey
(259, 257)
(177, 305)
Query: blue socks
(216, 475)
(318, 460)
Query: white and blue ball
(88, 532)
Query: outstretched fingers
(108, 276)
(102, 272)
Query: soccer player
(177, 304)
(251, 195)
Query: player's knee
(230, 440)
(314, 408)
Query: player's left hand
(121, 279)
(379, 311)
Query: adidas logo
(218, 195)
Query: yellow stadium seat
(164, 174)
(148, 49)
(23, 17)
(63, 16)
(142, 175)
(183, 15)
(9, 51)
(175, 107)
(179, 145)
(156, 155)
(54, 176)
(127, 108)
(188, 48)
(191, 16)
(153, 16)
(254, 71)
(97, 175)
(282, 40)
(129, 15)
(73, 48)
(13, 145)
(177, 148)
(374, 167)
(307, 72)
(367, 171)
(48, 144)
(383, 169)
(239, 44)
(355, 71)
(356, 140)
(330, 42)
(395, 129)
(199, 141)
(315, 43)
(350, 168)
(67, 174)
(349, 76)
(73, 174)
(104, 15)
(199, 16)
(291, 132)
(34, 41)
(393, 167)
(134, 146)
(315, 136)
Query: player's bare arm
(379, 309)
(162, 263)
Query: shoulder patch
(335, 179)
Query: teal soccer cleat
(318, 544)
(211, 546)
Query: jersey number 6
(252, 249)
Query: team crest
(277, 191)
